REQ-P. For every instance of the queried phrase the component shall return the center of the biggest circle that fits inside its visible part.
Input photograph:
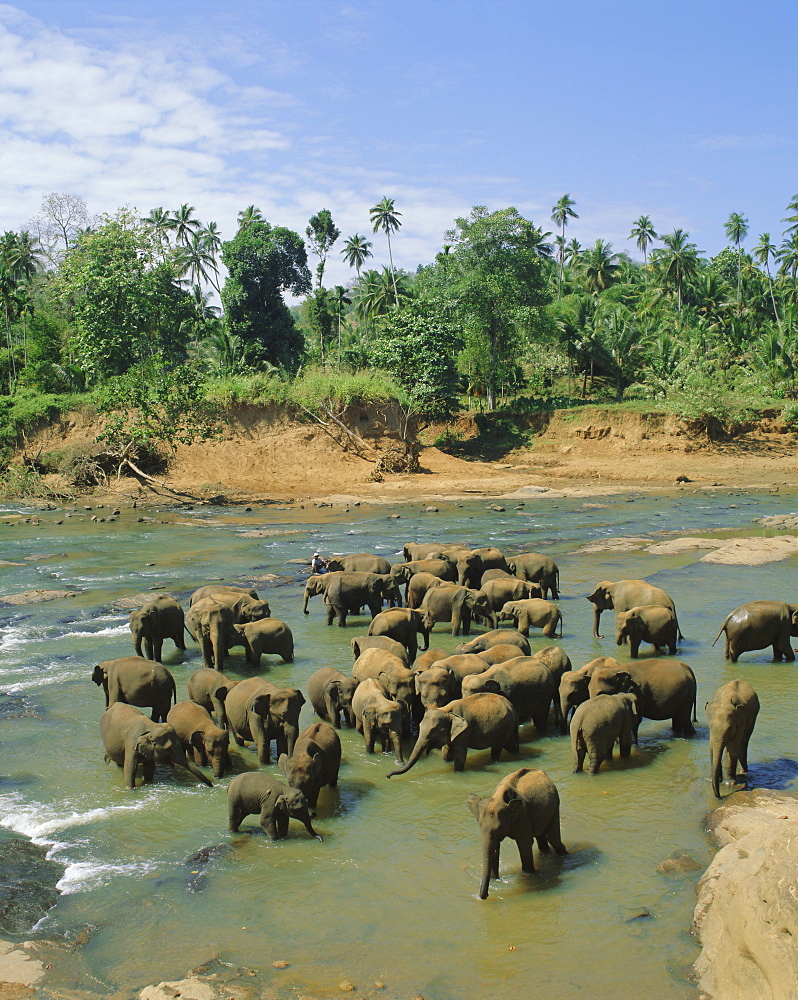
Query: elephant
(220, 588)
(210, 625)
(574, 684)
(347, 593)
(397, 681)
(500, 591)
(499, 653)
(403, 572)
(525, 807)
(428, 658)
(376, 715)
(402, 624)
(135, 680)
(536, 568)
(160, 618)
(596, 726)
(493, 638)
(665, 689)
(315, 761)
(419, 584)
(196, 731)
(284, 708)
(461, 665)
(269, 635)
(330, 693)
(130, 739)
(534, 612)
(478, 722)
(732, 715)
(361, 562)
(209, 688)
(496, 574)
(556, 659)
(436, 686)
(245, 604)
(648, 623)
(363, 642)
(492, 558)
(526, 682)
(247, 708)
(456, 605)
(413, 551)
(272, 801)
(760, 624)
(624, 595)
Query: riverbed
(155, 884)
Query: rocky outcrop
(746, 918)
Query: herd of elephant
(474, 699)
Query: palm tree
(792, 219)
(339, 300)
(679, 259)
(736, 227)
(644, 235)
(560, 214)
(539, 242)
(249, 215)
(212, 240)
(572, 251)
(357, 249)
(385, 217)
(184, 224)
(160, 222)
(598, 266)
(763, 252)
(788, 256)
(196, 259)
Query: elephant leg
(580, 750)
(268, 824)
(634, 646)
(137, 644)
(625, 744)
(238, 738)
(494, 861)
(330, 614)
(524, 843)
(369, 736)
(148, 770)
(234, 817)
(553, 833)
(459, 753)
(457, 621)
(179, 641)
(148, 648)
(550, 631)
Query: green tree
(263, 262)
(678, 262)
(418, 345)
(598, 266)
(385, 217)
(160, 222)
(356, 251)
(126, 302)
(643, 234)
(736, 227)
(339, 300)
(249, 215)
(321, 234)
(764, 252)
(561, 212)
(184, 224)
(493, 281)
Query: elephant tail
(561, 626)
(679, 631)
(722, 628)
(173, 699)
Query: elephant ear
(458, 726)
(98, 675)
(472, 802)
(144, 746)
(240, 629)
(300, 698)
(370, 715)
(281, 804)
(196, 739)
(624, 680)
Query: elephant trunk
(288, 736)
(396, 741)
(490, 864)
(309, 826)
(219, 648)
(308, 595)
(716, 747)
(424, 631)
(221, 714)
(418, 750)
(333, 710)
(259, 735)
(596, 621)
(181, 759)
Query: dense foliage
(506, 316)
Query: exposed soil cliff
(266, 453)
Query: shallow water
(390, 895)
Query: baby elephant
(648, 623)
(268, 635)
(274, 803)
(525, 806)
(197, 732)
(315, 761)
(596, 726)
(534, 612)
(732, 714)
(160, 618)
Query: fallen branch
(355, 437)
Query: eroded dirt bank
(263, 454)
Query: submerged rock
(37, 596)
(27, 884)
(746, 917)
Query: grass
(311, 386)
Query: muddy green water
(390, 895)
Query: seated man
(317, 564)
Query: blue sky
(683, 111)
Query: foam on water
(14, 638)
(39, 681)
(111, 630)
(25, 817)
(83, 876)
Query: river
(390, 896)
